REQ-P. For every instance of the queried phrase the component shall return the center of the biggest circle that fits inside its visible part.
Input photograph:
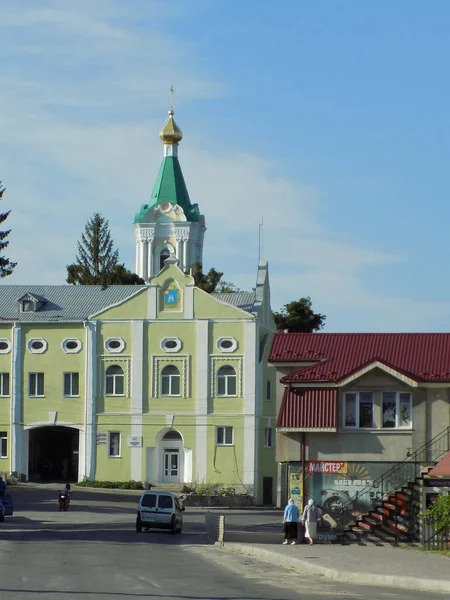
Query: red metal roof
(421, 356)
(442, 469)
(308, 409)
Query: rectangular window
(358, 410)
(268, 437)
(71, 384)
(36, 384)
(114, 443)
(4, 384)
(224, 436)
(396, 410)
(3, 444)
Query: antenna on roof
(260, 239)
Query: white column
(150, 258)
(16, 463)
(185, 266)
(138, 257)
(145, 259)
(201, 433)
(137, 398)
(250, 439)
(179, 254)
(90, 425)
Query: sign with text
(437, 482)
(134, 441)
(101, 437)
(328, 467)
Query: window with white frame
(37, 346)
(71, 384)
(226, 381)
(71, 345)
(114, 345)
(3, 444)
(397, 408)
(5, 346)
(4, 384)
(170, 381)
(114, 381)
(224, 436)
(358, 410)
(268, 437)
(269, 390)
(114, 444)
(36, 384)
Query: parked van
(159, 510)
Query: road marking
(153, 583)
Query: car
(159, 510)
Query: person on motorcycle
(66, 491)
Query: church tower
(169, 225)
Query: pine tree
(6, 266)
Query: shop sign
(101, 437)
(134, 441)
(328, 467)
(437, 482)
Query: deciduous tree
(298, 316)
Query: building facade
(161, 382)
(359, 415)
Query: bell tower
(168, 225)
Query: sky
(327, 120)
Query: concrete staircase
(174, 488)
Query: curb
(298, 564)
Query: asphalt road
(92, 552)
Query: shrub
(120, 485)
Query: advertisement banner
(296, 488)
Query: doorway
(171, 466)
(267, 491)
(53, 454)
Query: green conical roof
(170, 187)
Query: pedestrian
(290, 521)
(311, 516)
(2, 488)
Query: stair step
(389, 506)
(375, 515)
(370, 520)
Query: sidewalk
(384, 566)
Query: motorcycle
(63, 501)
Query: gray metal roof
(62, 302)
(243, 300)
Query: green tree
(298, 316)
(6, 266)
(226, 287)
(439, 513)
(207, 282)
(97, 262)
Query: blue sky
(328, 119)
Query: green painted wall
(137, 307)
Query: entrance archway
(173, 458)
(53, 454)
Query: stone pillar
(90, 425)
(150, 259)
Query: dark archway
(53, 454)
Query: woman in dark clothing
(290, 520)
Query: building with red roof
(352, 406)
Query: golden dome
(171, 133)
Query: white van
(159, 510)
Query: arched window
(226, 381)
(164, 255)
(114, 381)
(170, 381)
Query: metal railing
(394, 478)
(434, 535)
